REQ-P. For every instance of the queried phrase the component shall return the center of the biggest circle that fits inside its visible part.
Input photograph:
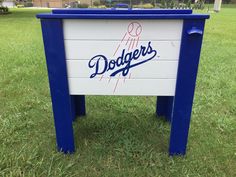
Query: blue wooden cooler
(122, 52)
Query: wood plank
(116, 29)
(121, 86)
(152, 69)
(76, 49)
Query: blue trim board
(57, 74)
(122, 16)
(185, 85)
(117, 11)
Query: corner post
(191, 42)
(52, 30)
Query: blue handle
(194, 30)
(121, 5)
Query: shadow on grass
(121, 131)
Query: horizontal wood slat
(121, 86)
(115, 29)
(152, 69)
(75, 49)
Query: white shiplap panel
(75, 49)
(161, 87)
(152, 69)
(116, 29)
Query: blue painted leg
(185, 85)
(161, 105)
(164, 106)
(169, 108)
(57, 74)
(73, 107)
(80, 107)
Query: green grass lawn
(120, 136)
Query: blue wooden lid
(119, 11)
(122, 14)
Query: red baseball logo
(129, 41)
(134, 29)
